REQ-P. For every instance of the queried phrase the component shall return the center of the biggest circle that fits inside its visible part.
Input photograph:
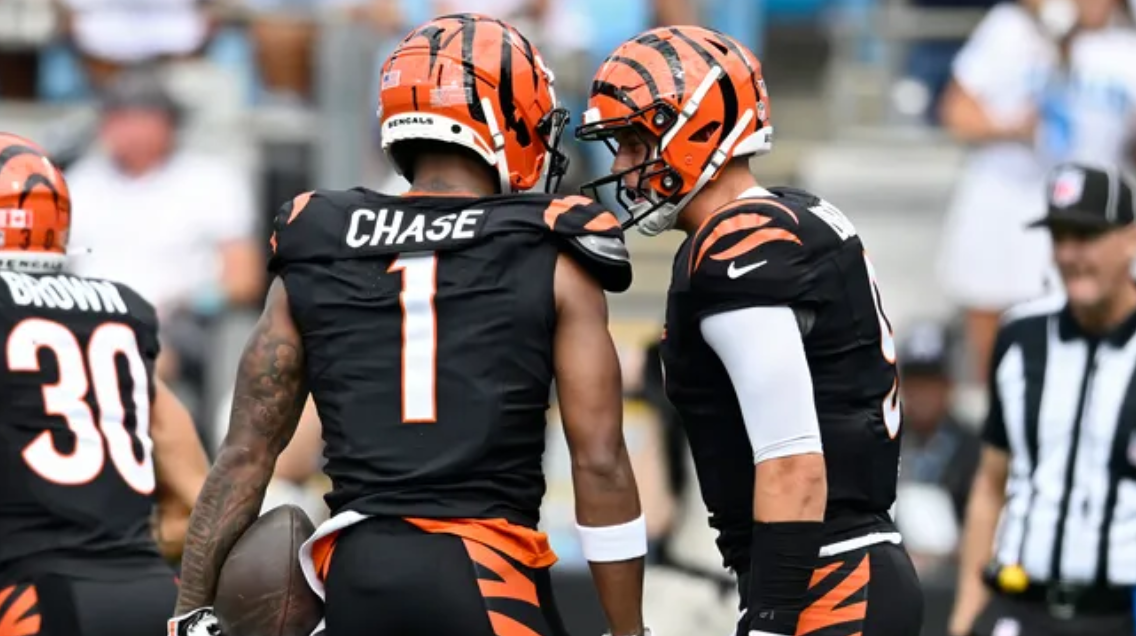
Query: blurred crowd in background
(183, 124)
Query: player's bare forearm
(791, 488)
(267, 402)
(169, 528)
(589, 387)
(606, 495)
(181, 467)
(987, 497)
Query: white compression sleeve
(762, 350)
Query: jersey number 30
(67, 398)
(419, 336)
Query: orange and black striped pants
(388, 578)
(872, 591)
(137, 603)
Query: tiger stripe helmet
(35, 208)
(698, 100)
(476, 82)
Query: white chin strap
(498, 141)
(657, 221)
(665, 217)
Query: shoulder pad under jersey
(297, 236)
(750, 253)
(144, 317)
(593, 236)
(329, 224)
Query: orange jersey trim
(602, 221)
(298, 204)
(527, 546)
(756, 240)
(739, 223)
(15, 622)
(560, 206)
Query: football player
(776, 350)
(428, 329)
(99, 462)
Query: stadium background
(281, 93)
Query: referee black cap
(1088, 197)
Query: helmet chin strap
(498, 140)
(665, 215)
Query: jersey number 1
(419, 336)
(67, 398)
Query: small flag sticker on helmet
(15, 219)
(443, 96)
(390, 79)
(1068, 188)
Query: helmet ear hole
(704, 134)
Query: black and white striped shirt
(1063, 404)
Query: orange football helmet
(35, 208)
(476, 82)
(695, 97)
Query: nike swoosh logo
(737, 272)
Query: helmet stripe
(736, 49)
(11, 152)
(433, 36)
(531, 56)
(670, 55)
(600, 87)
(641, 70)
(33, 181)
(725, 84)
(469, 71)
(505, 93)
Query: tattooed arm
(267, 402)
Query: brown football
(261, 590)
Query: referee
(1058, 463)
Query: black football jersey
(76, 470)
(789, 249)
(427, 326)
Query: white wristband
(614, 543)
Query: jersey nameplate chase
(390, 230)
(68, 293)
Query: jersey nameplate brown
(68, 293)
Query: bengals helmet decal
(695, 98)
(476, 82)
(35, 208)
